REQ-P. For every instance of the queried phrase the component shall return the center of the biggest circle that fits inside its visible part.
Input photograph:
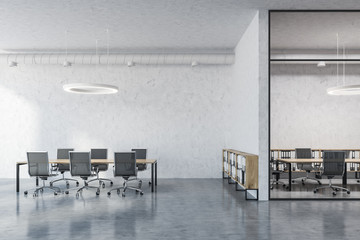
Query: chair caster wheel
(303, 183)
(123, 194)
(149, 183)
(55, 193)
(118, 191)
(26, 192)
(103, 185)
(109, 193)
(292, 181)
(35, 195)
(97, 193)
(77, 183)
(66, 192)
(141, 193)
(315, 191)
(334, 193)
(348, 192)
(111, 183)
(271, 188)
(358, 181)
(336, 189)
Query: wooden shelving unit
(241, 169)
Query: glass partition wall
(314, 104)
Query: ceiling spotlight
(321, 64)
(67, 64)
(130, 63)
(194, 63)
(13, 64)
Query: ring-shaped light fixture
(90, 88)
(344, 90)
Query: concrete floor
(180, 209)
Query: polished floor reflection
(180, 209)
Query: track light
(130, 63)
(321, 64)
(13, 64)
(67, 64)
(194, 63)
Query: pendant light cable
(337, 59)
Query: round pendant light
(344, 90)
(90, 88)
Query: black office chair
(80, 165)
(305, 153)
(334, 165)
(38, 166)
(278, 168)
(125, 167)
(100, 153)
(63, 153)
(140, 153)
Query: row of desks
(289, 161)
(153, 163)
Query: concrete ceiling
(150, 25)
(315, 30)
(137, 25)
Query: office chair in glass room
(333, 165)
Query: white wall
(176, 112)
(243, 92)
(304, 115)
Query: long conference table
(153, 163)
(289, 161)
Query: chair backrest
(38, 163)
(98, 153)
(334, 163)
(139, 153)
(80, 163)
(125, 164)
(63, 153)
(304, 153)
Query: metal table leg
(156, 174)
(17, 177)
(344, 181)
(152, 177)
(289, 165)
(37, 181)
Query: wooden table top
(313, 160)
(94, 161)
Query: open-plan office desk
(289, 161)
(153, 163)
